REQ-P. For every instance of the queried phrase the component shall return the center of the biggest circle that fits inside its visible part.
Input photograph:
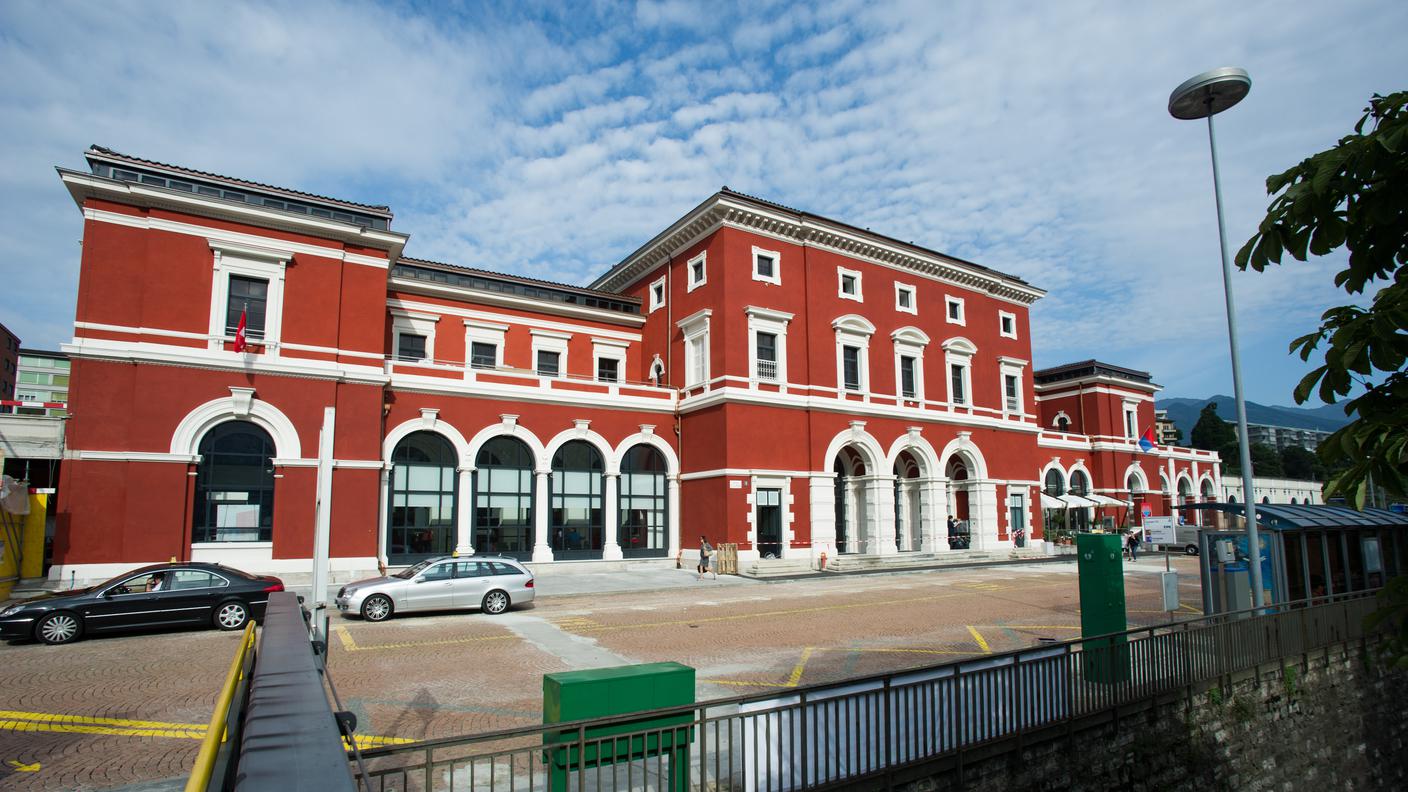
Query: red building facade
(755, 374)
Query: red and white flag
(241, 343)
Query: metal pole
(1253, 540)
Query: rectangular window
(904, 299)
(548, 363)
(410, 346)
(955, 373)
(1007, 324)
(1018, 511)
(765, 266)
(1010, 388)
(848, 284)
(1129, 430)
(248, 296)
(767, 356)
(907, 389)
(697, 273)
(953, 310)
(657, 294)
(483, 356)
(607, 370)
(850, 362)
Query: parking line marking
(12, 720)
(346, 638)
(977, 636)
(352, 646)
(797, 669)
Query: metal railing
(222, 735)
(867, 729)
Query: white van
(1187, 536)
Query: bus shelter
(1307, 551)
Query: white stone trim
(703, 261)
(1009, 316)
(776, 277)
(913, 298)
(695, 330)
(656, 303)
(550, 341)
(764, 320)
(841, 274)
(249, 262)
(185, 441)
(949, 318)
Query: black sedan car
(153, 597)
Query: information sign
(1160, 530)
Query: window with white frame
(905, 300)
(767, 266)
(767, 344)
(853, 334)
(1007, 324)
(413, 335)
(1017, 512)
(848, 284)
(657, 294)
(958, 361)
(550, 352)
(698, 271)
(1131, 420)
(953, 310)
(484, 344)
(909, 362)
(1011, 385)
(247, 281)
(609, 359)
(695, 329)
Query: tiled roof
(138, 161)
(517, 278)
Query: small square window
(767, 266)
(483, 356)
(848, 284)
(549, 363)
(1007, 324)
(410, 347)
(698, 274)
(608, 370)
(953, 310)
(904, 299)
(657, 294)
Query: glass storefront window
(421, 518)
(503, 498)
(643, 527)
(575, 515)
(234, 485)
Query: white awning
(1048, 502)
(1105, 500)
(1077, 502)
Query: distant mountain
(1184, 413)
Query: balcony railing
(767, 370)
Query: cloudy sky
(527, 137)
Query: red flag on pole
(240, 342)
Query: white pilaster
(672, 504)
(464, 516)
(880, 515)
(823, 511)
(934, 518)
(611, 544)
(541, 551)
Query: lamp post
(1204, 96)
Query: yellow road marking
(12, 720)
(797, 669)
(977, 636)
(913, 651)
(352, 646)
(21, 767)
(1031, 626)
(742, 683)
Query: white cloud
(1030, 139)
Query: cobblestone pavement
(111, 712)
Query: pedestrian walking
(706, 558)
(1132, 544)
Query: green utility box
(1100, 560)
(603, 692)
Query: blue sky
(551, 141)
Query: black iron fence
(871, 727)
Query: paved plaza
(127, 712)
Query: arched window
(1266, 500)
(1233, 499)
(1208, 495)
(421, 520)
(234, 485)
(1055, 484)
(503, 498)
(644, 528)
(1080, 483)
(1063, 424)
(1134, 484)
(575, 516)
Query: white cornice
(727, 210)
(85, 185)
(463, 294)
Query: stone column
(934, 517)
(672, 515)
(982, 510)
(823, 511)
(464, 513)
(542, 552)
(880, 522)
(611, 542)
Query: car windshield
(410, 572)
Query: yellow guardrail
(215, 734)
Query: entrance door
(842, 492)
(769, 522)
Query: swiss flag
(241, 344)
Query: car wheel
(495, 602)
(59, 628)
(1191, 549)
(231, 615)
(377, 608)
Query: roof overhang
(84, 186)
(726, 209)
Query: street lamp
(1204, 96)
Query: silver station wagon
(489, 583)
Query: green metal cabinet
(1100, 559)
(603, 692)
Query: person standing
(706, 558)
(1132, 544)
